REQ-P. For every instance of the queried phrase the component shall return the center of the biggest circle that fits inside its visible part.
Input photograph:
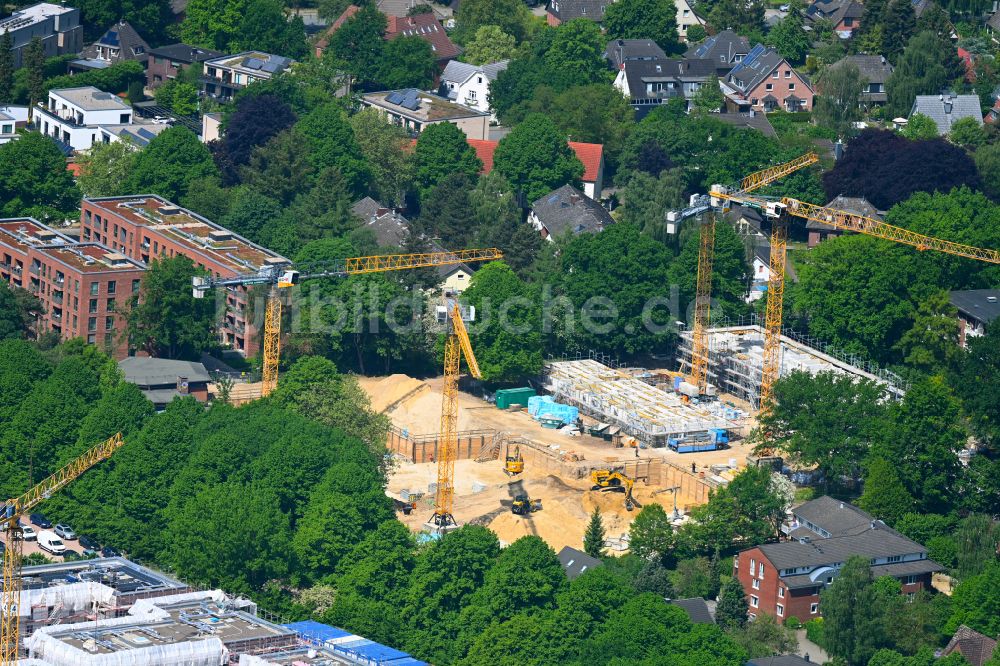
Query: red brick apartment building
(785, 579)
(82, 286)
(144, 227)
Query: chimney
(838, 150)
(574, 198)
(882, 58)
(841, 505)
(873, 524)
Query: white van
(50, 542)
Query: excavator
(613, 480)
(523, 505)
(513, 464)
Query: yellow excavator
(513, 464)
(523, 505)
(614, 480)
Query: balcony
(11, 268)
(60, 279)
(61, 117)
(57, 297)
(56, 315)
(35, 268)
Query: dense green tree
(593, 538)
(790, 39)
(885, 496)
(321, 212)
(150, 19)
(178, 96)
(576, 55)
(980, 486)
(536, 159)
(977, 539)
(250, 212)
(651, 536)
(507, 336)
(253, 123)
(967, 133)
(976, 602)
(441, 150)
(925, 67)
(212, 23)
(208, 198)
(975, 381)
(33, 61)
(655, 578)
(165, 319)
(923, 438)
(643, 19)
(920, 127)
(709, 97)
(765, 637)
(333, 144)
(386, 148)
(644, 198)
(265, 26)
(988, 162)
(691, 578)
(358, 42)
(731, 611)
(837, 104)
(21, 366)
(511, 16)
(828, 420)
(407, 62)
(332, 9)
(743, 17)
(106, 168)
(899, 23)
(6, 67)
(445, 576)
(852, 621)
(17, 311)
(170, 163)
(489, 44)
(34, 181)
(280, 167)
(446, 213)
(499, 224)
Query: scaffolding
(650, 414)
(736, 359)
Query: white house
(136, 135)
(469, 85)
(686, 18)
(74, 116)
(12, 118)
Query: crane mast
(706, 256)
(10, 515)
(456, 346)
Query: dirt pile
(394, 389)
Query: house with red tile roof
(591, 154)
(977, 648)
(428, 28)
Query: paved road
(816, 653)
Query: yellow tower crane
(706, 255)
(457, 345)
(776, 209)
(279, 277)
(12, 511)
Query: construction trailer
(736, 361)
(648, 413)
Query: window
(769, 86)
(760, 570)
(895, 558)
(910, 580)
(108, 339)
(813, 609)
(687, 12)
(780, 610)
(791, 86)
(112, 285)
(87, 216)
(781, 593)
(135, 286)
(472, 94)
(736, 562)
(775, 74)
(110, 305)
(479, 79)
(86, 234)
(91, 339)
(753, 565)
(94, 286)
(755, 584)
(109, 323)
(93, 305)
(92, 324)
(76, 303)
(754, 601)
(788, 73)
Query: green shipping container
(514, 396)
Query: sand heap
(394, 389)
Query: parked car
(51, 543)
(161, 120)
(39, 520)
(28, 533)
(784, 8)
(89, 543)
(70, 554)
(108, 551)
(65, 531)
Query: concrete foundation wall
(424, 448)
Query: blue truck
(714, 439)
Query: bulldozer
(523, 505)
(614, 480)
(513, 464)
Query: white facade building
(12, 118)
(74, 116)
(469, 85)
(686, 18)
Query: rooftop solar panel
(143, 132)
(253, 63)
(394, 97)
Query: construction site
(112, 611)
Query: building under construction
(736, 359)
(650, 413)
(113, 612)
